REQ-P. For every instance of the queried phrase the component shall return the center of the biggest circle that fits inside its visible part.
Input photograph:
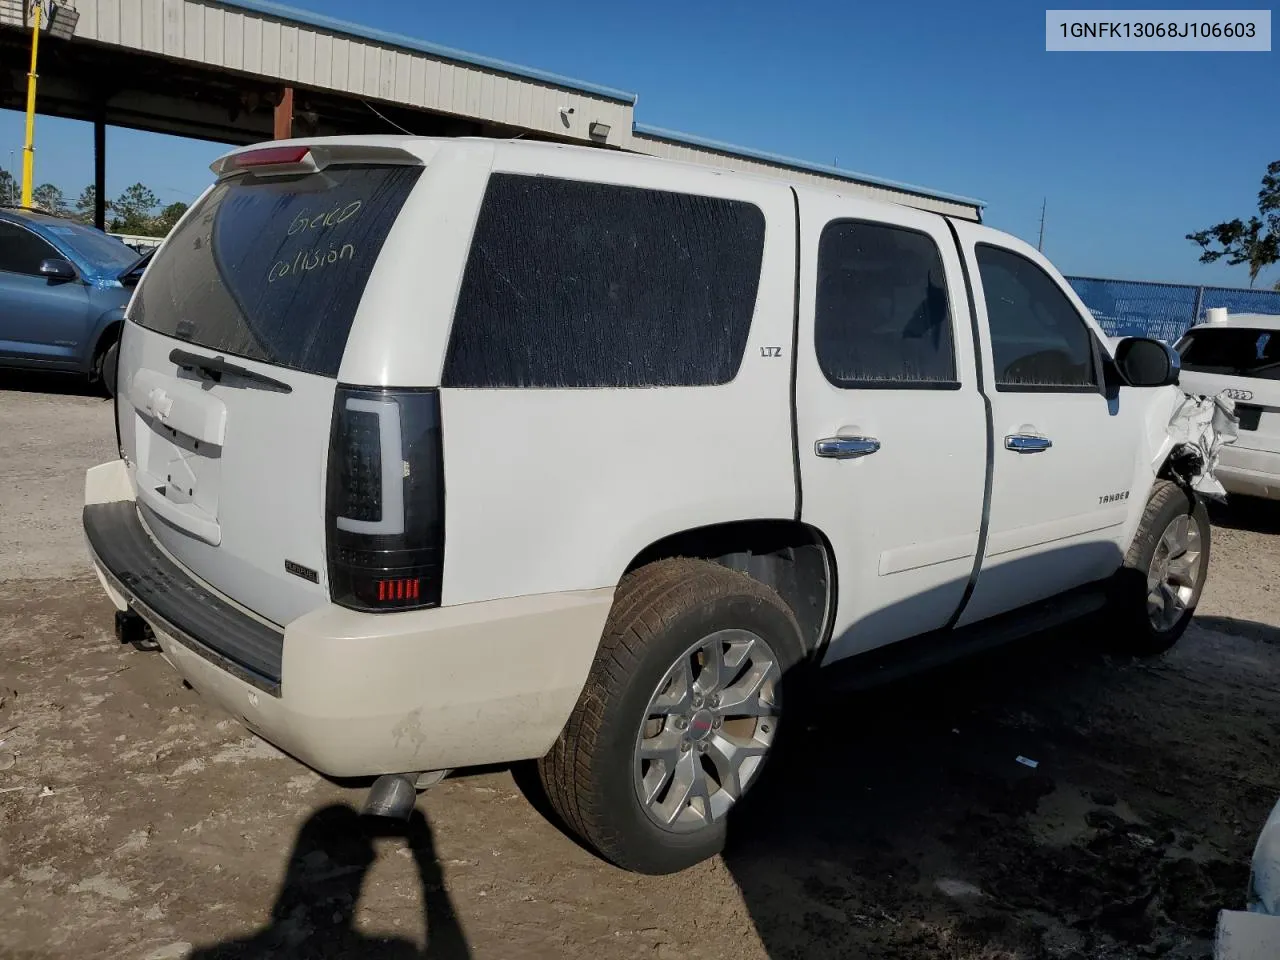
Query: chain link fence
(1128, 308)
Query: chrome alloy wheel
(1174, 573)
(707, 729)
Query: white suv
(1239, 356)
(436, 453)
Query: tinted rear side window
(1236, 352)
(882, 318)
(573, 284)
(273, 270)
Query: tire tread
(1136, 635)
(648, 600)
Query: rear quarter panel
(551, 490)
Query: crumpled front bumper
(1199, 428)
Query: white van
(437, 453)
(1238, 356)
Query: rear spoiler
(290, 158)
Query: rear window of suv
(1235, 352)
(273, 269)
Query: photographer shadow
(314, 912)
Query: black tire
(659, 611)
(1131, 630)
(105, 363)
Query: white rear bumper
(365, 694)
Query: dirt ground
(136, 821)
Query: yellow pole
(29, 150)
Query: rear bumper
(1253, 473)
(132, 566)
(358, 694)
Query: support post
(29, 147)
(1195, 313)
(100, 168)
(284, 115)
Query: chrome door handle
(1027, 443)
(846, 448)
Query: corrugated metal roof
(422, 46)
(283, 43)
(688, 139)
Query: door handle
(1027, 443)
(846, 448)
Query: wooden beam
(284, 115)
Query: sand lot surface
(137, 821)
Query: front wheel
(105, 366)
(679, 712)
(1156, 593)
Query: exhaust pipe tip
(392, 796)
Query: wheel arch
(108, 327)
(793, 558)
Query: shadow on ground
(58, 384)
(1246, 513)
(313, 915)
(1259, 632)
(903, 824)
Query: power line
(385, 119)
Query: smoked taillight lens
(385, 499)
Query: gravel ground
(136, 821)
(51, 430)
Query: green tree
(133, 212)
(85, 202)
(1255, 242)
(49, 198)
(8, 187)
(169, 218)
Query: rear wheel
(1164, 573)
(678, 715)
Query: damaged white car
(1238, 356)
(439, 453)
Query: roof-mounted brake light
(283, 159)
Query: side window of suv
(1038, 338)
(577, 284)
(21, 251)
(882, 317)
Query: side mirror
(56, 269)
(1147, 363)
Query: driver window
(21, 251)
(1038, 340)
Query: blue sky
(1132, 150)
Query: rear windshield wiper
(215, 368)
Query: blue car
(63, 290)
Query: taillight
(288, 156)
(385, 499)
